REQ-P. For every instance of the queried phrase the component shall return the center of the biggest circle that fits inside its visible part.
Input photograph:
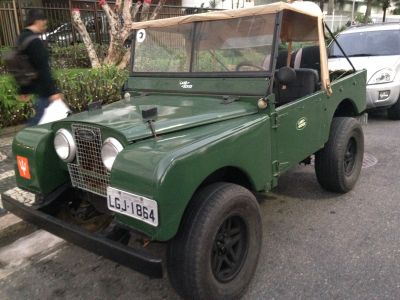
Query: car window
(367, 43)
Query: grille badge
(85, 134)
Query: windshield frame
(231, 74)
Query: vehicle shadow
(299, 183)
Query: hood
(174, 113)
(372, 64)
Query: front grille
(88, 173)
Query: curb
(10, 130)
(12, 227)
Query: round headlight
(109, 151)
(65, 145)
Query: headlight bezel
(70, 144)
(385, 75)
(110, 144)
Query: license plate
(134, 206)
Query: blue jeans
(40, 105)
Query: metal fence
(60, 29)
(338, 22)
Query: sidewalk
(7, 179)
(11, 227)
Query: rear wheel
(394, 111)
(338, 164)
(215, 252)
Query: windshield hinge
(275, 168)
(274, 120)
(226, 99)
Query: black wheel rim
(229, 249)
(350, 156)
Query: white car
(377, 49)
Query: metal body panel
(175, 112)
(36, 144)
(170, 169)
(244, 85)
(317, 110)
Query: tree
(368, 11)
(331, 7)
(385, 6)
(120, 19)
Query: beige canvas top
(302, 21)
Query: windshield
(235, 45)
(367, 43)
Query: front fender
(36, 145)
(171, 168)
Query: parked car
(206, 122)
(65, 35)
(375, 48)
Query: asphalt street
(316, 245)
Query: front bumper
(135, 258)
(373, 90)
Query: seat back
(305, 83)
(307, 57)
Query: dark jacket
(38, 54)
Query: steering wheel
(248, 64)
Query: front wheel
(394, 111)
(215, 252)
(338, 164)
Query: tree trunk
(120, 19)
(384, 15)
(331, 7)
(368, 11)
(77, 21)
(157, 9)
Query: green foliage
(359, 18)
(3, 51)
(74, 56)
(12, 112)
(80, 87)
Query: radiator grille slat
(88, 173)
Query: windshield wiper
(335, 56)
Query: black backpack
(18, 64)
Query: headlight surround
(111, 148)
(382, 76)
(64, 144)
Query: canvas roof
(230, 14)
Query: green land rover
(214, 111)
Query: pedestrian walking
(42, 86)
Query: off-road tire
(394, 111)
(338, 164)
(198, 243)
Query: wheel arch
(346, 108)
(231, 174)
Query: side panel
(351, 87)
(36, 144)
(303, 126)
(171, 168)
(298, 130)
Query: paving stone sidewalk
(7, 178)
